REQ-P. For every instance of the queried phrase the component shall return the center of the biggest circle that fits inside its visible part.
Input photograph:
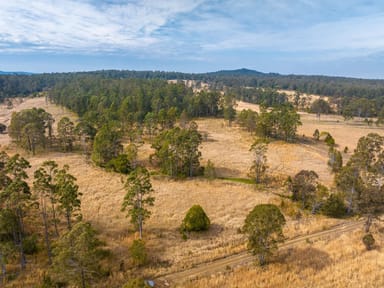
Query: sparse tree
(138, 197)
(335, 161)
(264, 227)
(229, 104)
(77, 256)
(66, 133)
(304, 187)
(259, 163)
(320, 106)
(68, 194)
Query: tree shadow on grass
(213, 231)
(226, 172)
(305, 258)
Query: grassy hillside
(340, 262)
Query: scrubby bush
(334, 207)
(316, 134)
(209, 170)
(368, 241)
(329, 140)
(138, 252)
(195, 220)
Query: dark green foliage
(267, 97)
(138, 252)
(177, 151)
(107, 145)
(120, 164)
(281, 123)
(195, 220)
(369, 241)
(30, 244)
(263, 226)
(334, 206)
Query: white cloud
(83, 25)
(191, 28)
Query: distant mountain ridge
(15, 73)
(240, 72)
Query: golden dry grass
(225, 202)
(340, 262)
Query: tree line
(23, 85)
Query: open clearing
(226, 203)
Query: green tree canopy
(30, 128)
(138, 197)
(107, 145)
(177, 151)
(66, 133)
(264, 227)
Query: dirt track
(244, 258)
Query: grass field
(226, 202)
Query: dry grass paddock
(225, 202)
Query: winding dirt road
(244, 258)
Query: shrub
(368, 241)
(209, 171)
(195, 220)
(329, 140)
(119, 164)
(333, 207)
(316, 134)
(138, 252)
(30, 245)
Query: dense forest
(21, 84)
(129, 94)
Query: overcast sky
(326, 37)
